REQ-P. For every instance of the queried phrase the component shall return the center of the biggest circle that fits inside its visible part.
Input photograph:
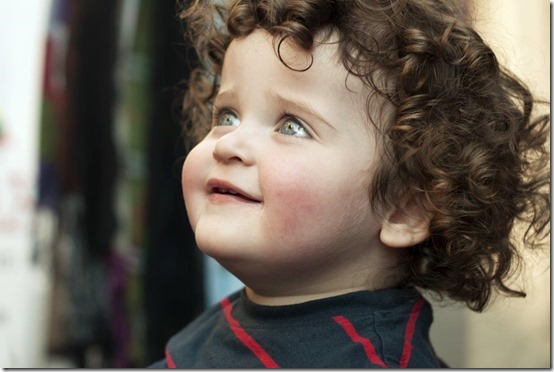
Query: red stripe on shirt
(245, 338)
(409, 333)
(365, 342)
(169, 360)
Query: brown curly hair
(462, 141)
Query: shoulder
(404, 335)
(196, 344)
(395, 334)
(359, 330)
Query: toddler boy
(351, 152)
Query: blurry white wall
(513, 332)
(23, 285)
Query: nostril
(234, 147)
(227, 157)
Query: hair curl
(462, 141)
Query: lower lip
(218, 198)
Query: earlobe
(405, 227)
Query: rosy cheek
(296, 209)
(295, 201)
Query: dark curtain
(173, 278)
(94, 164)
(172, 284)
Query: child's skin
(300, 147)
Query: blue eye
(292, 127)
(225, 119)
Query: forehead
(256, 57)
(292, 60)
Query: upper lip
(217, 185)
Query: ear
(405, 227)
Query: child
(351, 151)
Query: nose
(235, 146)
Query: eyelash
(219, 112)
(287, 116)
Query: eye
(292, 127)
(225, 118)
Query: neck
(291, 299)
(285, 284)
(289, 295)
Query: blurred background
(98, 265)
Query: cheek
(298, 200)
(311, 204)
(192, 180)
(189, 173)
(295, 208)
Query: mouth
(221, 191)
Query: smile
(225, 191)
(222, 191)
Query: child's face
(295, 150)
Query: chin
(217, 247)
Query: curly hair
(463, 141)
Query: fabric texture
(386, 328)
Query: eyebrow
(298, 105)
(226, 94)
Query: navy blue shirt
(386, 328)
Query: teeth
(226, 191)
